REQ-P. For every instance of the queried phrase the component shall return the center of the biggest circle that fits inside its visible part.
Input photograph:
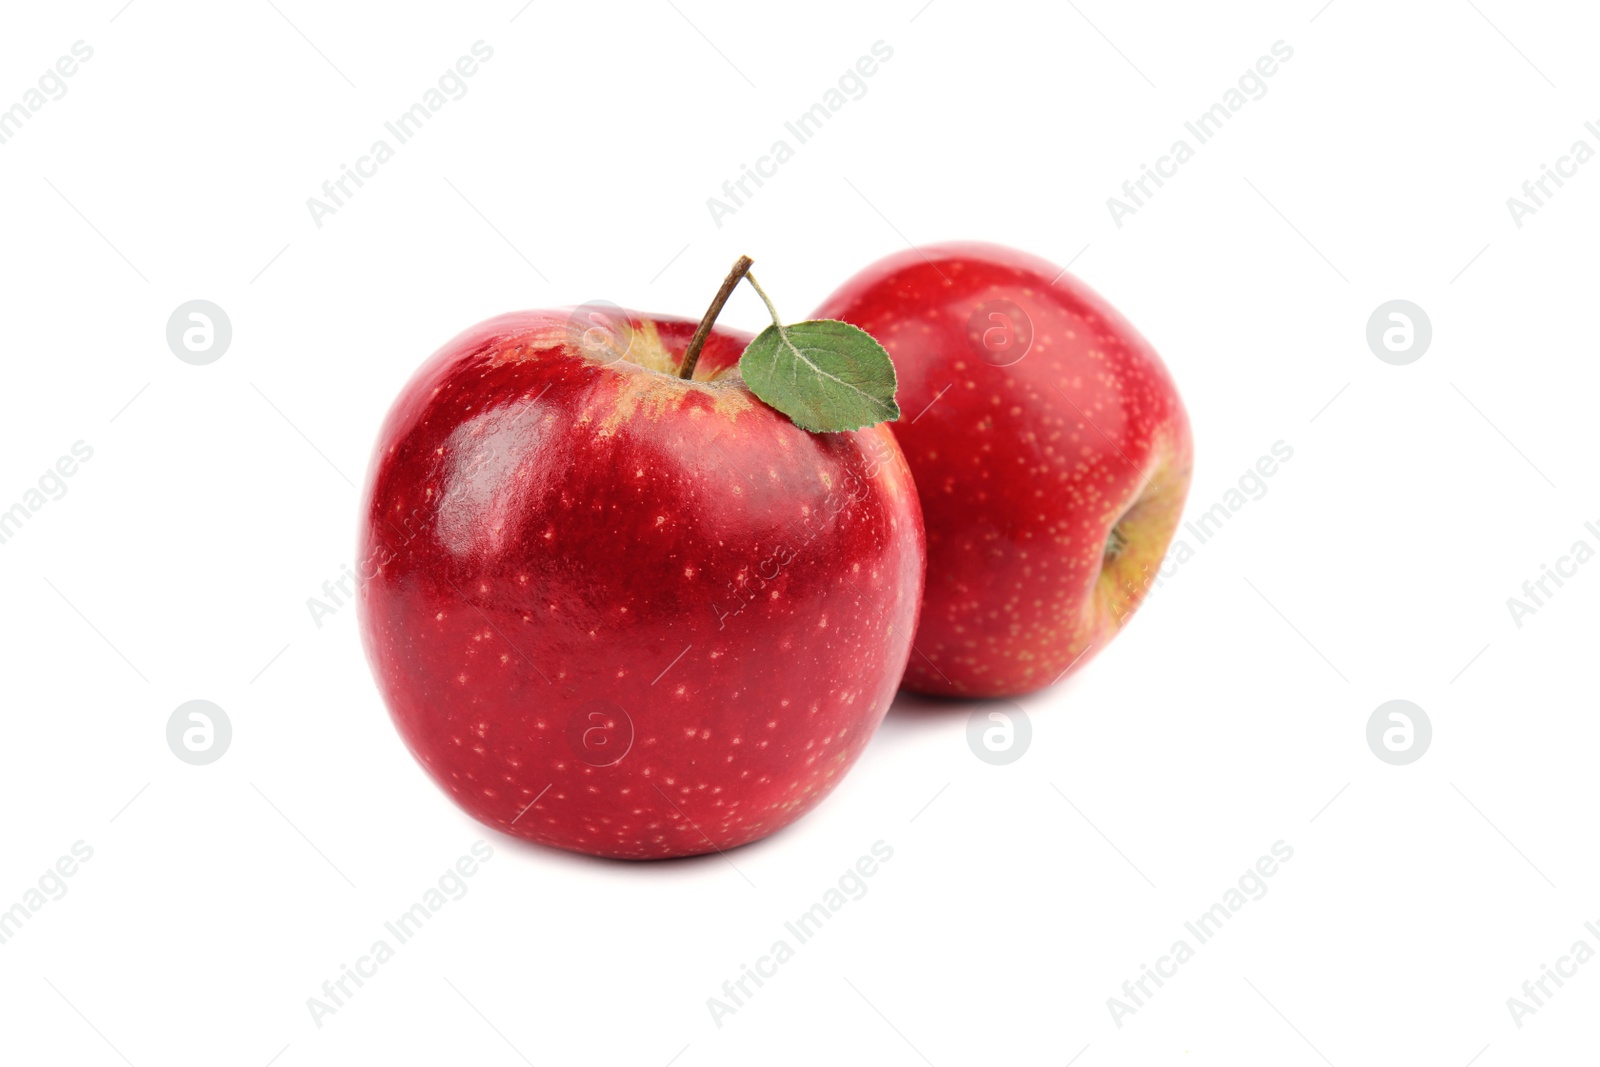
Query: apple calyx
(826, 376)
(1116, 541)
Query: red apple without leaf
(624, 613)
(1050, 450)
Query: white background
(1230, 715)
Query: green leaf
(825, 375)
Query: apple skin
(624, 614)
(1024, 465)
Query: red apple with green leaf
(1050, 449)
(638, 587)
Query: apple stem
(691, 355)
